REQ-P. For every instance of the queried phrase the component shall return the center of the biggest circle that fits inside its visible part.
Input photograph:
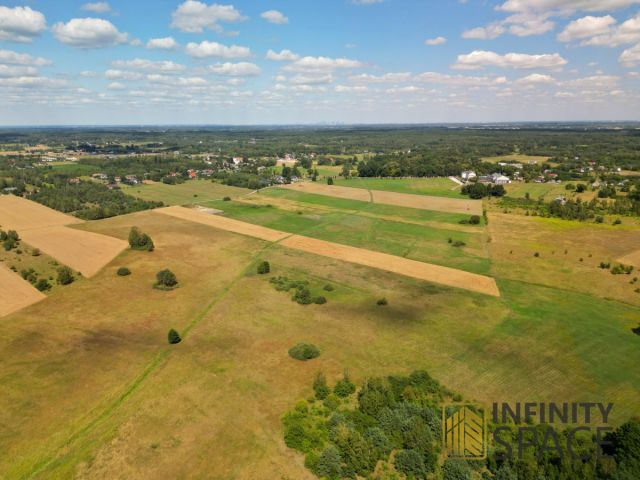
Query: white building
(468, 175)
(499, 179)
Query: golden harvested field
(47, 229)
(391, 263)
(631, 259)
(85, 252)
(243, 228)
(424, 202)
(16, 293)
(20, 214)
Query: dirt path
(424, 202)
(390, 263)
(16, 293)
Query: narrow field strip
(424, 202)
(391, 263)
(16, 293)
(218, 221)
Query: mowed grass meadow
(384, 232)
(91, 389)
(439, 187)
(190, 192)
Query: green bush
(320, 386)
(65, 276)
(411, 464)
(344, 387)
(140, 241)
(226, 199)
(36, 252)
(173, 337)
(166, 280)
(123, 271)
(302, 296)
(328, 288)
(304, 351)
(382, 302)
(43, 285)
(319, 300)
(264, 268)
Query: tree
(140, 241)
(344, 387)
(123, 272)
(173, 337)
(65, 276)
(320, 386)
(411, 464)
(329, 181)
(456, 470)
(264, 268)
(166, 279)
(329, 464)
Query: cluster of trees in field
(577, 209)
(89, 200)
(393, 426)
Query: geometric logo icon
(464, 431)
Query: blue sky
(343, 61)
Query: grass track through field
(160, 359)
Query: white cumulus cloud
(322, 64)
(436, 41)
(274, 16)
(9, 57)
(165, 43)
(482, 59)
(89, 33)
(240, 69)
(193, 16)
(165, 66)
(214, 49)
(283, 55)
(21, 24)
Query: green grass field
(426, 243)
(517, 158)
(439, 187)
(189, 192)
(379, 209)
(91, 389)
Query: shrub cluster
(140, 241)
(9, 239)
(302, 293)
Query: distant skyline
(171, 62)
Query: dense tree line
(89, 200)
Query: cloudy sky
(315, 61)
